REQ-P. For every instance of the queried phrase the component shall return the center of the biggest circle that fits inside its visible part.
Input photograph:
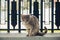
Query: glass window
(46, 11)
(3, 11)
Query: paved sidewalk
(24, 35)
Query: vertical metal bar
(19, 15)
(13, 14)
(8, 3)
(57, 0)
(52, 23)
(30, 6)
(41, 15)
(36, 9)
(57, 15)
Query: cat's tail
(42, 33)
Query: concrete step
(22, 36)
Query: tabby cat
(32, 25)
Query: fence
(40, 8)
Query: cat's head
(25, 18)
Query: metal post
(41, 15)
(52, 23)
(57, 16)
(8, 3)
(19, 15)
(57, 0)
(36, 9)
(13, 14)
(30, 6)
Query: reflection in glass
(46, 8)
(3, 11)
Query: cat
(31, 23)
